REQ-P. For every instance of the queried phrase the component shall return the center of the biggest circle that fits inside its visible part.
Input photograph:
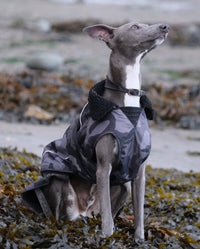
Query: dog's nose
(164, 27)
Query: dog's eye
(135, 26)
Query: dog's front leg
(105, 155)
(138, 191)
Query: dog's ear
(100, 31)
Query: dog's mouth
(156, 42)
(159, 40)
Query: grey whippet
(129, 43)
(76, 196)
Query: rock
(39, 113)
(39, 25)
(185, 35)
(44, 61)
(43, 25)
(188, 122)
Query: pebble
(191, 123)
(44, 61)
(43, 25)
(39, 113)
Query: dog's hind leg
(53, 194)
(119, 195)
(105, 154)
(62, 199)
(138, 190)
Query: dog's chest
(133, 81)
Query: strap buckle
(133, 92)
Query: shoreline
(170, 146)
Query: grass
(174, 74)
(48, 43)
(12, 60)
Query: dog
(100, 160)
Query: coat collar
(99, 107)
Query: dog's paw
(108, 229)
(138, 241)
(139, 236)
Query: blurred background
(47, 66)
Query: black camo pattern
(74, 153)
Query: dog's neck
(127, 74)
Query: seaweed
(172, 212)
(62, 98)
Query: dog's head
(130, 39)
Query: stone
(44, 61)
(43, 25)
(188, 122)
(39, 113)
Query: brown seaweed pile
(172, 212)
(62, 97)
(178, 104)
(59, 99)
(187, 34)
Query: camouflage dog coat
(74, 153)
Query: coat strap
(43, 202)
